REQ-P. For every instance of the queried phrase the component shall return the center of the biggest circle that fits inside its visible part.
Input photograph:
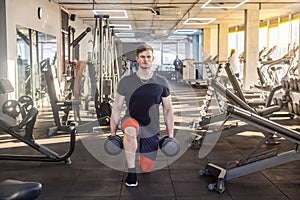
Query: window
(283, 34)
(232, 44)
(295, 32)
(157, 53)
(273, 41)
(182, 51)
(165, 53)
(263, 38)
(169, 53)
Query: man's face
(145, 59)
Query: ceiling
(150, 19)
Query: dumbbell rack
(211, 91)
(291, 99)
(212, 73)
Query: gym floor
(88, 177)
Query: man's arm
(168, 115)
(116, 113)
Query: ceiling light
(120, 26)
(176, 37)
(112, 13)
(198, 21)
(185, 31)
(128, 39)
(125, 34)
(218, 5)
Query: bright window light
(112, 13)
(185, 31)
(210, 4)
(198, 21)
(120, 26)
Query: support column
(206, 43)
(196, 44)
(3, 47)
(3, 39)
(251, 47)
(299, 53)
(223, 42)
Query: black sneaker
(131, 180)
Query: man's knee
(146, 164)
(130, 131)
(130, 127)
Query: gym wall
(25, 13)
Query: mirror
(32, 48)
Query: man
(178, 64)
(143, 92)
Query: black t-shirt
(143, 99)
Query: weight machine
(104, 64)
(9, 125)
(268, 71)
(72, 84)
(72, 45)
(57, 105)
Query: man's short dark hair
(144, 47)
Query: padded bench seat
(14, 189)
(7, 122)
(269, 110)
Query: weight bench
(236, 128)
(12, 127)
(254, 162)
(57, 105)
(16, 190)
(235, 100)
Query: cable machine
(104, 68)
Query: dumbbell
(275, 101)
(26, 104)
(295, 108)
(280, 103)
(291, 84)
(11, 108)
(287, 84)
(113, 145)
(283, 83)
(295, 86)
(169, 146)
(290, 107)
